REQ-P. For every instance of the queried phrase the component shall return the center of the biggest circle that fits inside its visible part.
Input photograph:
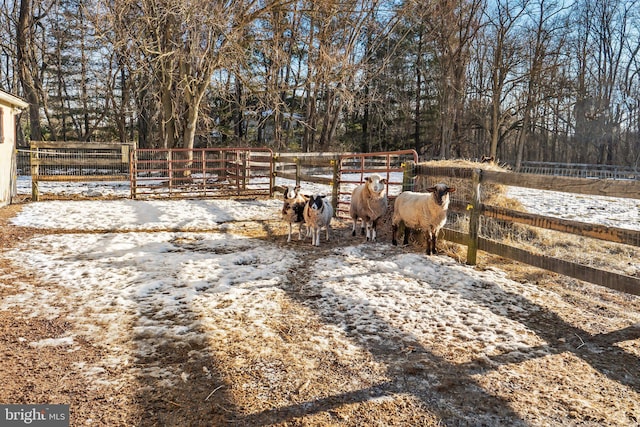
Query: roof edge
(13, 100)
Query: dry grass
(492, 194)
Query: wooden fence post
(170, 170)
(335, 183)
(35, 171)
(272, 173)
(203, 170)
(474, 218)
(408, 175)
(133, 173)
(245, 169)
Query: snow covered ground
(168, 271)
(621, 213)
(609, 211)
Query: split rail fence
(239, 171)
(580, 170)
(476, 208)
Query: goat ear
(368, 179)
(431, 190)
(384, 181)
(452, 189)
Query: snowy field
(183, 271)
(621, 213)
(609, 211)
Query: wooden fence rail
(582, 170)
(300, 167)
(77, 161)
(476, 209)
(337, 169)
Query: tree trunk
(238, 121)
(26, 67)
(310, 120)
(417, 117)
(188, 137)
(124, 103)
(417, 114)
(446, 121)
(167, 121)
(522, 138)
(365, 145)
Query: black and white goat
(293, 209)
(317, 215)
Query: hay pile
(492, 194)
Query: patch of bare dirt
(33, 374)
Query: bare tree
(29, 66)
(605, 50)
(8, 52)
(452, 26)
(183, 44)
(336, 62)
(504, 56)
(546, 22)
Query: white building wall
(7, 149)
(10, 106)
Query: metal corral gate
(395, 166)
(201, 173)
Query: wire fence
(581, 170)
(94, 161)
(74, 161)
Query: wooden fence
(110, 162)
(343, 171)
(78, 161)
(476, 208)
(580, 170)
(201, 172)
